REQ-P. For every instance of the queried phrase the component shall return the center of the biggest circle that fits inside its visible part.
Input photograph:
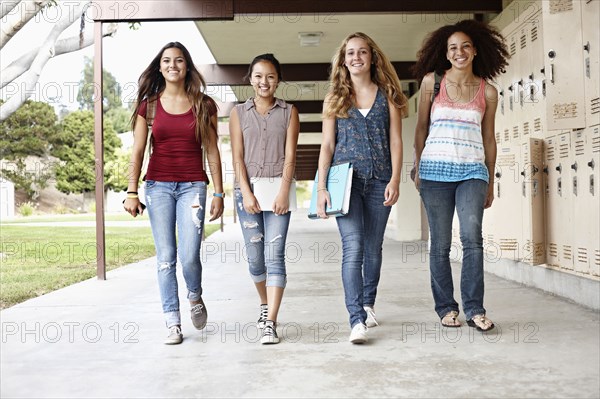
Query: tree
(28, 67)
(76, 172)
(111, 89)
(28, 131)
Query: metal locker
(558, 201)
(585, 200)
(590, 14)
(565, 103)
(510, 132)
(535, 97)
(590, 209)
(502, 221)
(533, 247)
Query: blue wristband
(220, 195)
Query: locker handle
(523, 173)
(586, 47)
(543, 70)
(551, 54)
(531, 76)
(574, 166)
(498, 175)
(559, 168)
(591, 164)
(545, 169)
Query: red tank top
(176, 154)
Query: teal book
(339, 183)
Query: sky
(126, 55)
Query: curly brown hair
(383, 75)
(152, 83)
(492, 53)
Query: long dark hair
(491, 57)
(151, 83)
(268, 57)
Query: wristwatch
(221, 195)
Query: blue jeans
(180, 204)
(362, 232)
(265, 234)
(440, 200)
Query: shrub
(26, 209)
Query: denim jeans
(181, 205)
(361, 231)
(265, 234)
(440, 200)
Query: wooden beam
(295, 8)
(233, 74)
(311, 127)
(99, 155)
(155, 10)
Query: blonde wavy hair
(341, 93)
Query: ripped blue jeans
(178, 205)
(265, 234)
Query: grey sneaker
(175, 336)
(264, 313)
(359, 334)
(199, 315)
(269, 334)
(371, 319)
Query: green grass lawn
(37, 260)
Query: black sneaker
(264, 313)
(269, 334)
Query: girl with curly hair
(362, 124)
(184, 125)
(455, 155)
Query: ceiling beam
(233, 74)
(295, 8)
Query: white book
(265, 190)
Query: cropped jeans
(171, 206)
(362, 231)
(265, 234)
(468, 198)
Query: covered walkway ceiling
(398, 27)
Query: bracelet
(132, 196)
(132, 192)
(220, 195)
(321, 189)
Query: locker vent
(567, 252)
(597, 258)
(595, 105)
(508, 244)
(595, 141)
(513, 49)
(525, 128)
(497, 137)
(534, 33)
(534, 252)
(506, 135)
(565, 111)
(563, 150)
(553, 250)
(515, 132)
(582, 255)
(505, 160)
(557, 6)
(550, 152)
(579, 146)
(523, 41)
(537, 125)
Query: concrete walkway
(103, 339)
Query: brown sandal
(481, 323)
(450, 319)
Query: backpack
(436, 91)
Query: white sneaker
(269, 333)
(371, 319)
(359, 334)
(175, 336)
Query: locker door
(535, 97)
(590, 12)
(589, 191)
(565, 107)
(558, 213)
(532, 197)
(580, 203)
(502, 221)
(510, 132)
